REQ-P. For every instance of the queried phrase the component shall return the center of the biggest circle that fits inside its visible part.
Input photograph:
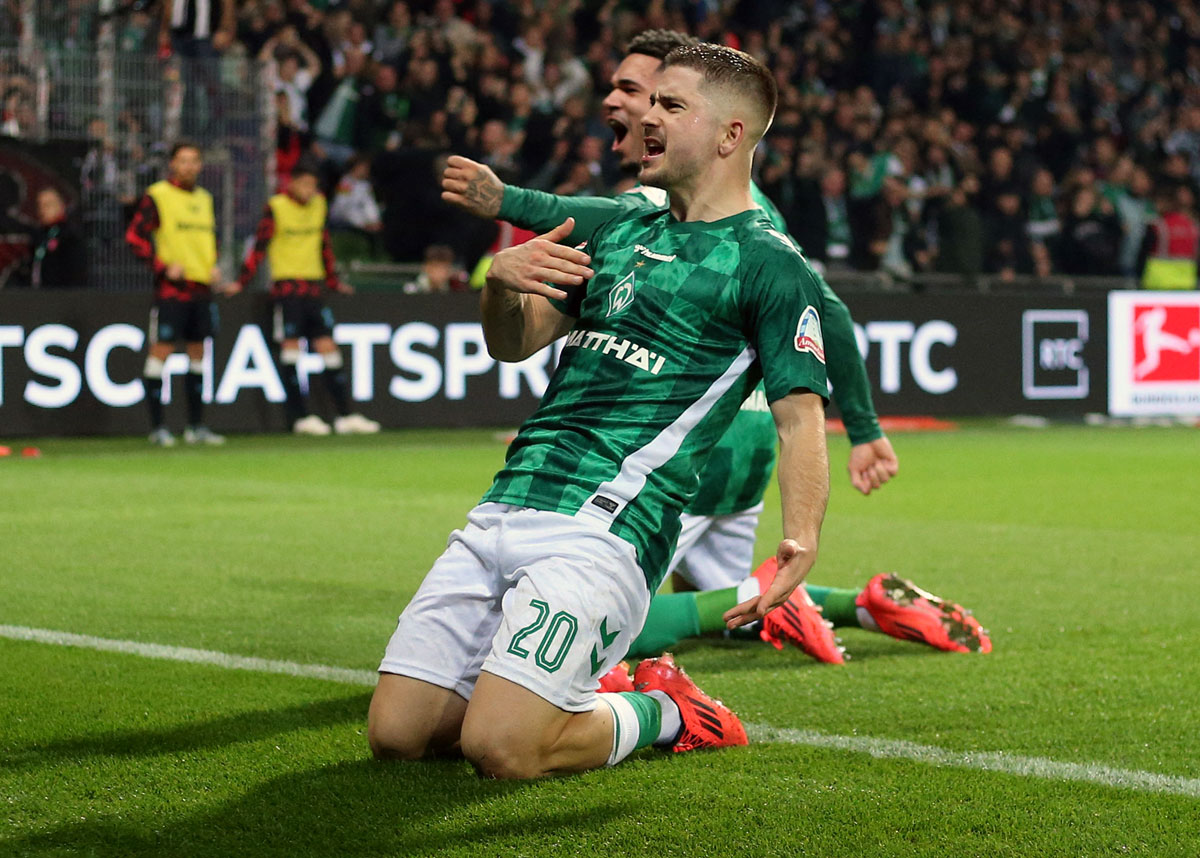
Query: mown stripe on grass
(896, 749)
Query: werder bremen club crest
(621, 295)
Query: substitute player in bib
(174, 229)
(294, 239)
(500, 652)
(716, 544)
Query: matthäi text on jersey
(621, 349)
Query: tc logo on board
(1053, 343)
(621, 295)
(808, 334)
(1166, 342)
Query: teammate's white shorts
(548, 601)
(716, 551)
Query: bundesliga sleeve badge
(808, 334)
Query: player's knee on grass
(497, 752)
(413, 720)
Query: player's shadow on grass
(218, 732)
(355, 808)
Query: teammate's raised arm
(472, 186)
(518, 316)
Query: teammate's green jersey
(736, 474)
(679, 324)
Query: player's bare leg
(510, 732)
(411, 719)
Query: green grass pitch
(1076, 547)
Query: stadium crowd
(1008, 138)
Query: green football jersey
(675, 330)
(738, 470)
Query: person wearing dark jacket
(1090, 237)
(57, 252)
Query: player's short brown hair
(180, 145)
(729, 69)
(659, 43)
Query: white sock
(672, 721)
(866, 620)
(625, 727)
(749, 589)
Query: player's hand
(222, 39)
(472, 187)
(343, 288)
(174, 271)
(794, 562)
(529, 267)
(872, 464)
(229, 289)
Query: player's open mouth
(654, 149)
(620, 129)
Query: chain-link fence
(89, 83)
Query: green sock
(711, 607)
(676, 616)
(837, 606)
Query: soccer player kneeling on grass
(294, 238)
(499, 655)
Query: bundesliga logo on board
(1166, 344)
(1154, 353)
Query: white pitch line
(987, 761)
(193, 656)
(896, 749)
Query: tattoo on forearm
(484, 194)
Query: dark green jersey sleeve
(781, 306)
(847, 372)
(541, 212)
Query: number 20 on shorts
(559, 634)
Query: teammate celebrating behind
(294, 238)
(174, 229)
(500, 652)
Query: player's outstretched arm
(518, 318)
(475, 189)
(803, 491)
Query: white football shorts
(716, 551)
(545, 600)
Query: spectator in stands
(438, 273)
(381, 112)
(17, 117)
(392, 33)
(337, 126)
(1090, 235)
(960, 232)
(1008, 249)
(58, 253)
(199, 31)
(297, 67)
(1172, 244)
(1132, 198)
(355, 220)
